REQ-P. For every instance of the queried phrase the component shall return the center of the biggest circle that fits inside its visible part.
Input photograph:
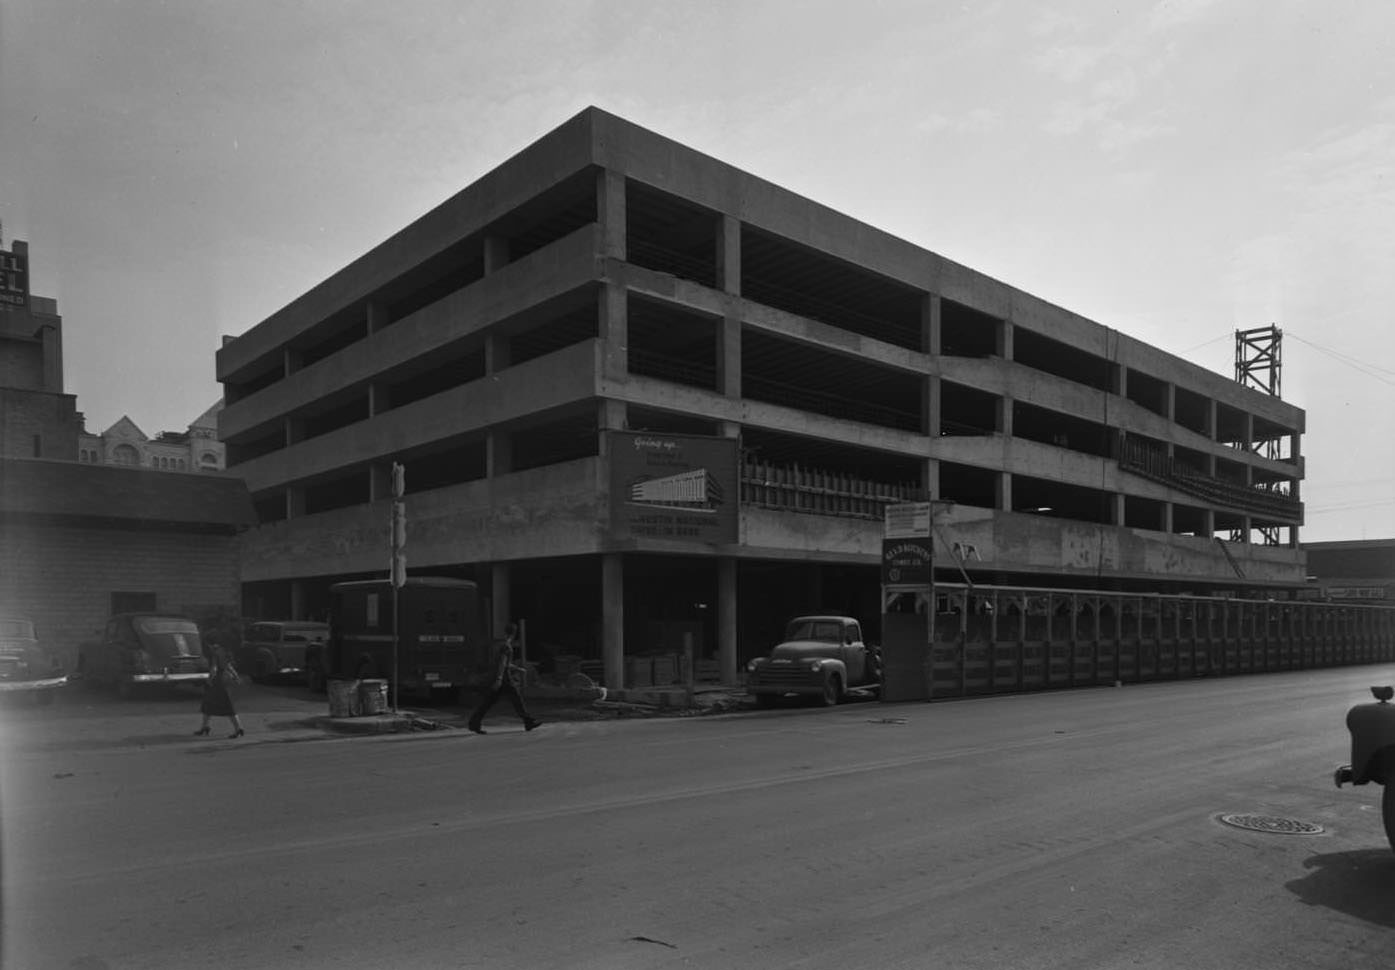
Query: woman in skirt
(217, 693)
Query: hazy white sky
(1174, 169)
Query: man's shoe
(477, 729)
(530, 725)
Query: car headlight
(815, 664)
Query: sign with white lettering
(907, 520)
(14, 281)
(907, 562)
(672, 486)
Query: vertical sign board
(672, 486)
(907, 554)
(14, 281)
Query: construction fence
(1000, 639)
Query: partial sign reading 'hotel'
(673, 487)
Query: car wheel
(832, 690)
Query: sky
(1176, 170)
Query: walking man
(506, 674)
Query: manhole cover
(1272, 824)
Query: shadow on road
(1360, 884)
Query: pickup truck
(820, 656)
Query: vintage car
(1372, 729)
(25, 666)
(820, 656)
(143, 649)
(273, 649)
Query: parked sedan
(26, 667)
(277, 648)
(139, 649)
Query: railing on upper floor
(800, 489)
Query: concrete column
(297, 600)
(1249, 432)
(496, 255)
(1004, 347)
(1246, 525)
(1211, 421)
(614, 332)
(726, 620)
(498, 453)
(1171, 402)
(377, 398)
(1003, 486)
(295, 502)
(290, 361)
(376, 314)
(610, 416)
(610, 211)
(1119, 509)
(613, 619)
(930, 478)
(294, 430)
(930, 406)
(931, 328)
(496, 353)
(729, 356)
(1167, 517)
(1005, 416)
(501, 596)
(729, 255)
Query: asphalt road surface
(1077, 829)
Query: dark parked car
(26, 667)
(277, 648)
(143, 649)
(820, 656)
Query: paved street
(1074, 830)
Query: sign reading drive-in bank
(673, 486)
(907, 554)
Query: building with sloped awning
(1356, 571)
(79, 542)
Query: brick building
(80, 541)
(641, 394)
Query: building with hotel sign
(647, 400)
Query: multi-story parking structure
(609, 295)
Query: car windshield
(828, 631)
(303, 636)
(161, 624)
(17, 629)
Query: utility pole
(398, 567)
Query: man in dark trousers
(506, 672)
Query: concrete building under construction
(647, 399)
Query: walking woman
(217, 693)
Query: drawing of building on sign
(692, 491)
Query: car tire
(832, 690)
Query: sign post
(398, 567)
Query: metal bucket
(373, 696)
(343, 698)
